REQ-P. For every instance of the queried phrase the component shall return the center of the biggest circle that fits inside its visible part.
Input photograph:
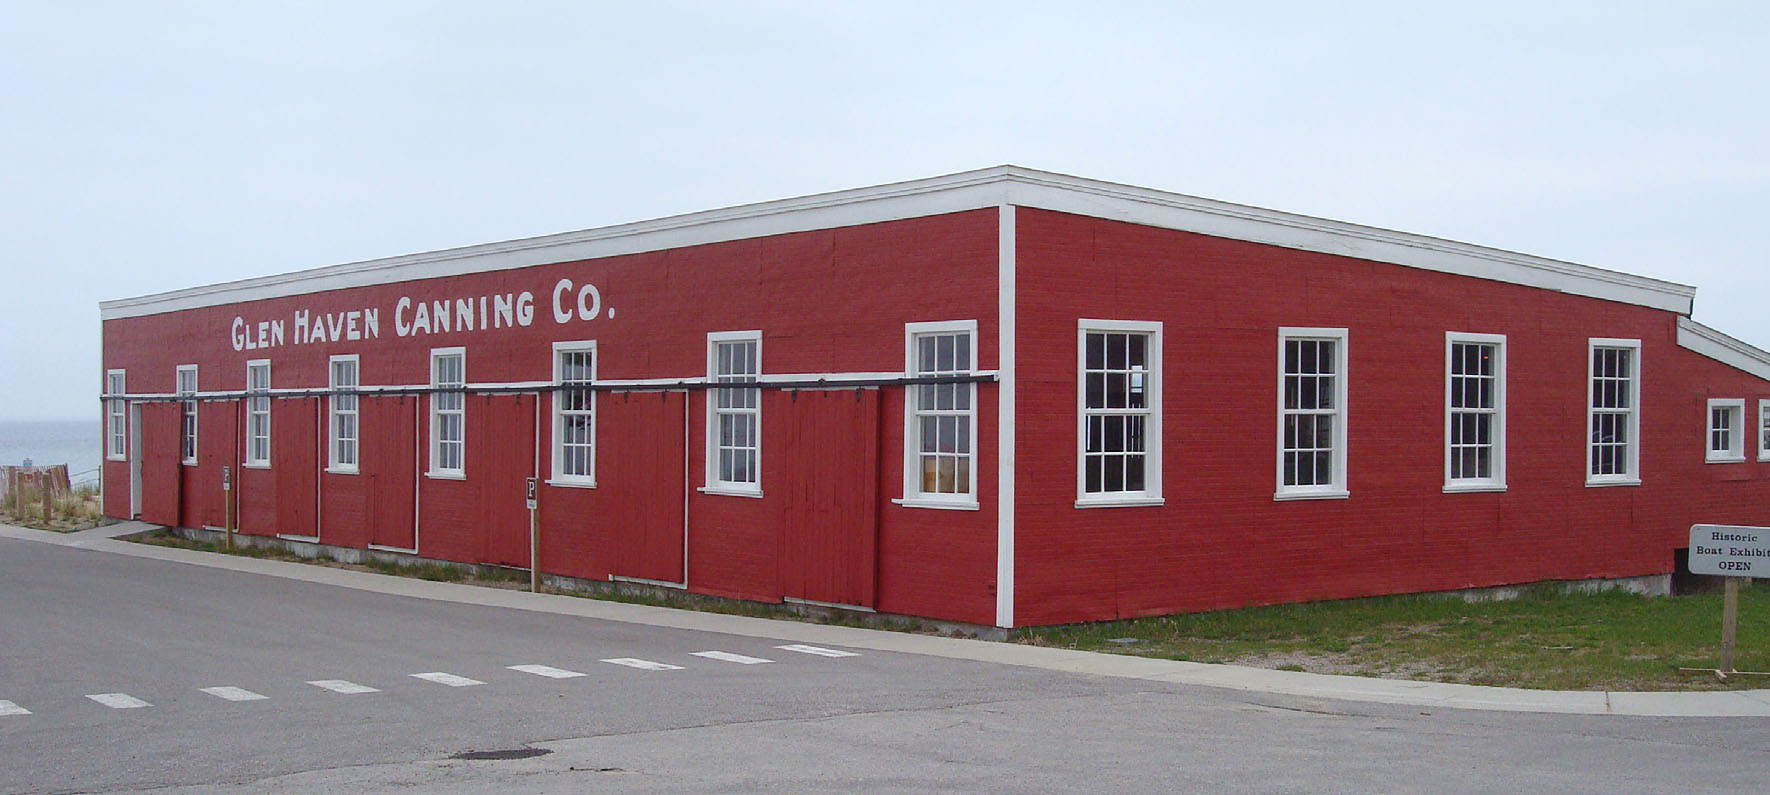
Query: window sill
(939, 505)
(571, 484)
(251, 465)
(1320, 494)
(188, 463)
(116, 458)
(1473, 488)
(1598, 484)
(1737, 459)
(343, 471)
(1119, 502)
(446, 475)
(303, 539)
(731, 491)
(386, 548)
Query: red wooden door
(390, 462)
(641, 465)
(829, 532)
(161, 453)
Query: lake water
(77, 444)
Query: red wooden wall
(827, 301)
(1221, 540)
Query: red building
(1004, 397)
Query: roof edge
(966, 190)
(1723, 348)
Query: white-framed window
(1474, 412)
(116, 432)
(1726, 430)
(343, 434)
(258, 413)
(1118, 412)
(1311, 413)
(940, 420)
(448, 412)
(734, 416)
(186, 384)
(574, 414)
(1613, 414)
(1764, 430)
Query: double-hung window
(940, 431)
(258, 413)
(1726, 430)
(1475, 412)
(344, 429)
(1118, 396)
(1311, 413)
(1613, 415)
(187, 427)
(448, 412)
(574, 414)
(735, 414)
(1764, 430)
(116, 446)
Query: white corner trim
(1000, 186)
(1722, 348)
(1006, 268)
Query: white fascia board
(970, 190)
(1722, 348)
(1287, 230)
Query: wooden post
(48, 497)
(1729, 621)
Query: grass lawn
(1544, 639)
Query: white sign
(1730, 550)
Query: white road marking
(546, 670)
(119, 700)
(643, 665)
(817, 650)
(726, 656)
(233, 693)
(341, 686)
(9, 708)
(447, 679)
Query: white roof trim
(1723, 349)
(970, 190)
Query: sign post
(534, 536)
(227, 501)
(1735, 552)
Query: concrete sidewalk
(1291, 683)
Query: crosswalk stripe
(547, 671)
(233, 693)
(119, 700)
(643, 665)
(9, 708)
(725, 656)
(817, 650)
(447, 679)
(341, 686)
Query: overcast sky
(154, 146)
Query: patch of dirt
(1343, 663)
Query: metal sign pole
(227, 487)
(534, 539)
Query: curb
(1735, 703)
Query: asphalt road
(77, 623)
